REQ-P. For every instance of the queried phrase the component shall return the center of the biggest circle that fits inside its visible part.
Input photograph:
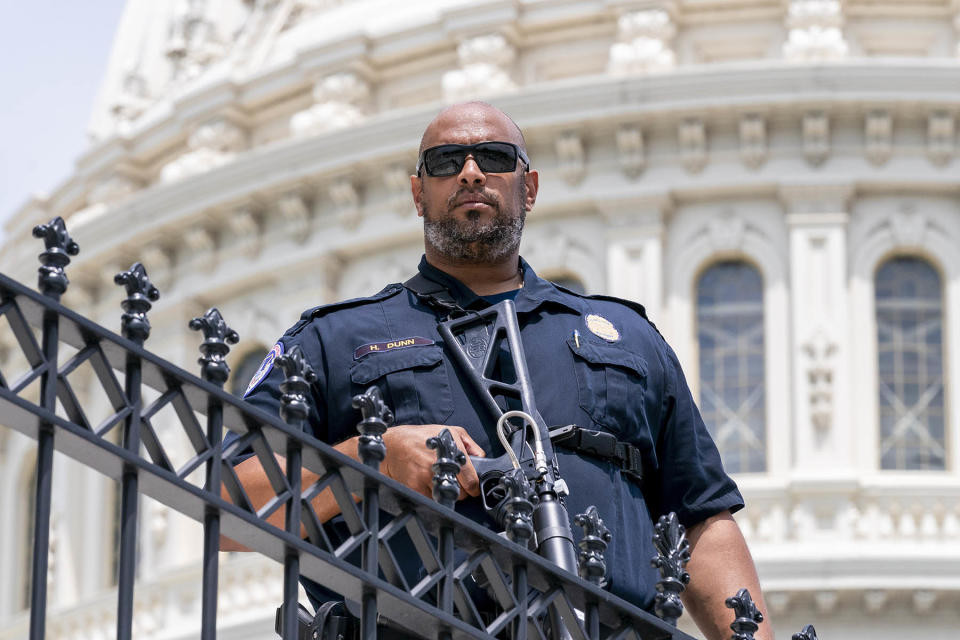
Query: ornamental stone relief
(396, 178)
(485, 63)
(878, 131)
(645, 43)
(941, 137)
(194, 42)
(631, 152)
(819, 352)
(753, 140)
(726, 233)
(340, 101)
(295, 212)
(346, 201)
(907, 226)
(815, 30)
(571, 158)
(211, 144)
(816, 137)
(692, 138)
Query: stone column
(635, 250)
(824, 441)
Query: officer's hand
(409, 460)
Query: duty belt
(602, 445)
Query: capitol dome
(776, 181)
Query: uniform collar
(535, 292)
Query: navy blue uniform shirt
(594, 361)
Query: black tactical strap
(434, 295)
(602, 445)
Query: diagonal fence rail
(454, 552)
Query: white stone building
(776, 180)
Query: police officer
(594, 361)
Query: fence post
(673, 553)
(376, 418)
(516, 518)
(748, 616)
(213, 369)
(596, 536)
(135, 327)
(294, 409)
(446, 490)
(59, 246)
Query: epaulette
(636, 306)
(318, 312)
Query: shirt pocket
(612, 383)
(413, 381)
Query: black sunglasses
(492, 157)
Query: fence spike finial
(446, 487)
(515, 512)
(214, 348)
(596, 536)
(808, 633)
(140, 293)
(377, 416)
(59, 247)
(294, 407)
(673, 553)
(748, 616)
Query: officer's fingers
(469, 481)
(470, 447)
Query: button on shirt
(594, 361)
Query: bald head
(468, 122)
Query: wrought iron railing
(527, 590)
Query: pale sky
(54, 55)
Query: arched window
(730, 339)
(910, 365)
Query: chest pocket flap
(612, 382)
(603, 354)
(376, 365)
(413, 380)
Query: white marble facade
(254, 155)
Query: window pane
(910, 365)
(730, 340)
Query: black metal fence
(527, 590)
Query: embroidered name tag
(403, 343)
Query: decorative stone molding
(245, 226)
(878, 132)
(875, 600)
(200, 245)
(923, 601)
(340, 101)
(941, 137)
(212, 144)
(692, 137)
(645, 43)
(908, 226)
(295, 212)
(815, 30)
(571, 159)
(346, 201)
(133, 100)
(484, 68)
(819, 353)
(826, 601)
(113, 189)
(753, 140)
(630, 147)
(816, 137)
(194, 42)
(396, 178)
(726, 233)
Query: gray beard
(474, 242)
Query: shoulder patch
(318, 312)
(636, 306)
(265, 367)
